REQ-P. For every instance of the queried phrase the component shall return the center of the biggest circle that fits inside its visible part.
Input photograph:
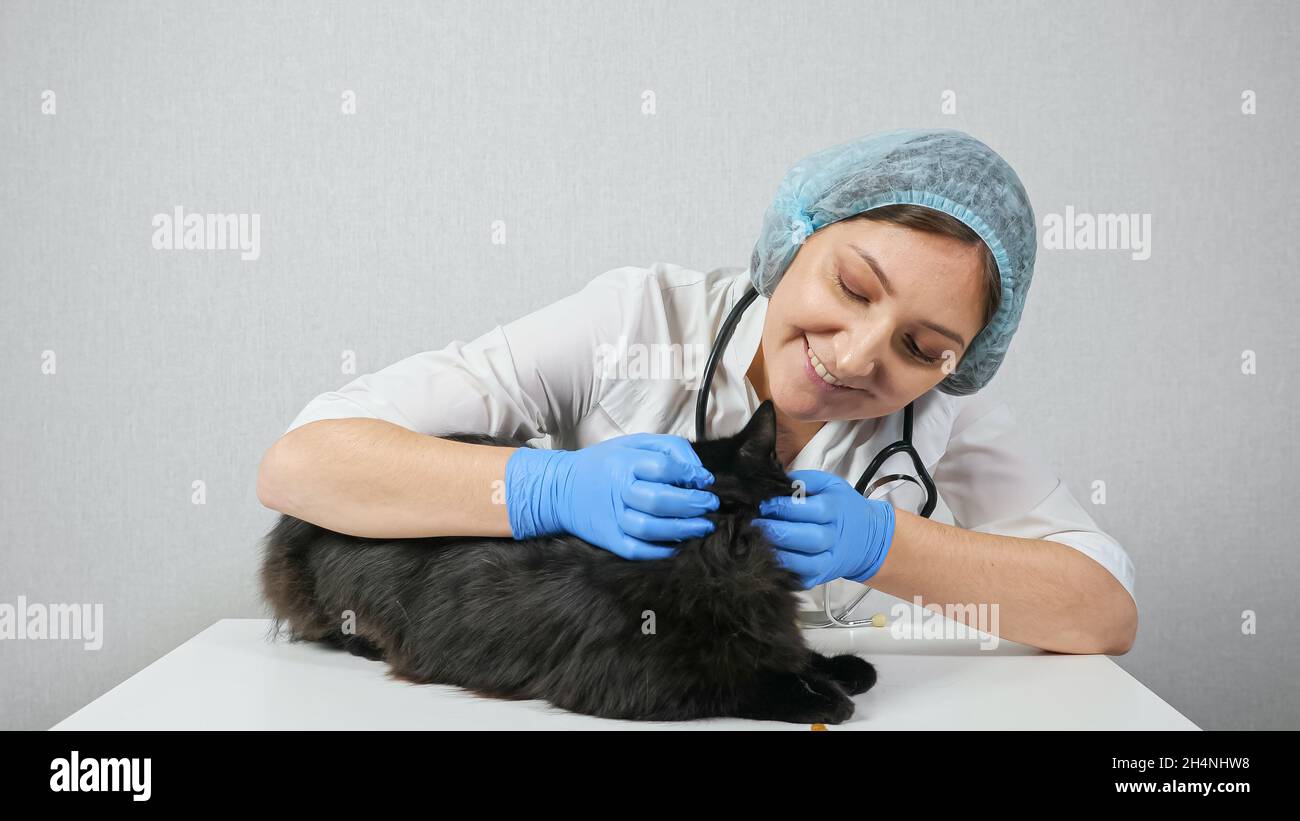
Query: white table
(230, 677)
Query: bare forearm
(367, 477)
(1049, 595)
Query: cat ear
(758, 439)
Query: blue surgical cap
(943, 169)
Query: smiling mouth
(820, 371)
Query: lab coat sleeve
(532, 378)
(994, 481)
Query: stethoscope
(904, 445)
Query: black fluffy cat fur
(709, 632)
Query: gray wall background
(176, 366)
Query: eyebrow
(889, 289)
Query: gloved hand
(831, 532)
(619, 494)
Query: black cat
(708, 632)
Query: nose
(857, 353)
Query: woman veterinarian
(891, 271)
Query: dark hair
(937, 222)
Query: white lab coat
(548, 377)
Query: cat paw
(807, 697)
(830, 705)
(854, 673)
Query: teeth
(827, 376)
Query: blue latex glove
(831, 532)
(620, 494)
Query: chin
(807, 404)
(803, 404)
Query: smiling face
(862, 320)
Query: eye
(920, 354)
(839, 280)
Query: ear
(758, 439)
